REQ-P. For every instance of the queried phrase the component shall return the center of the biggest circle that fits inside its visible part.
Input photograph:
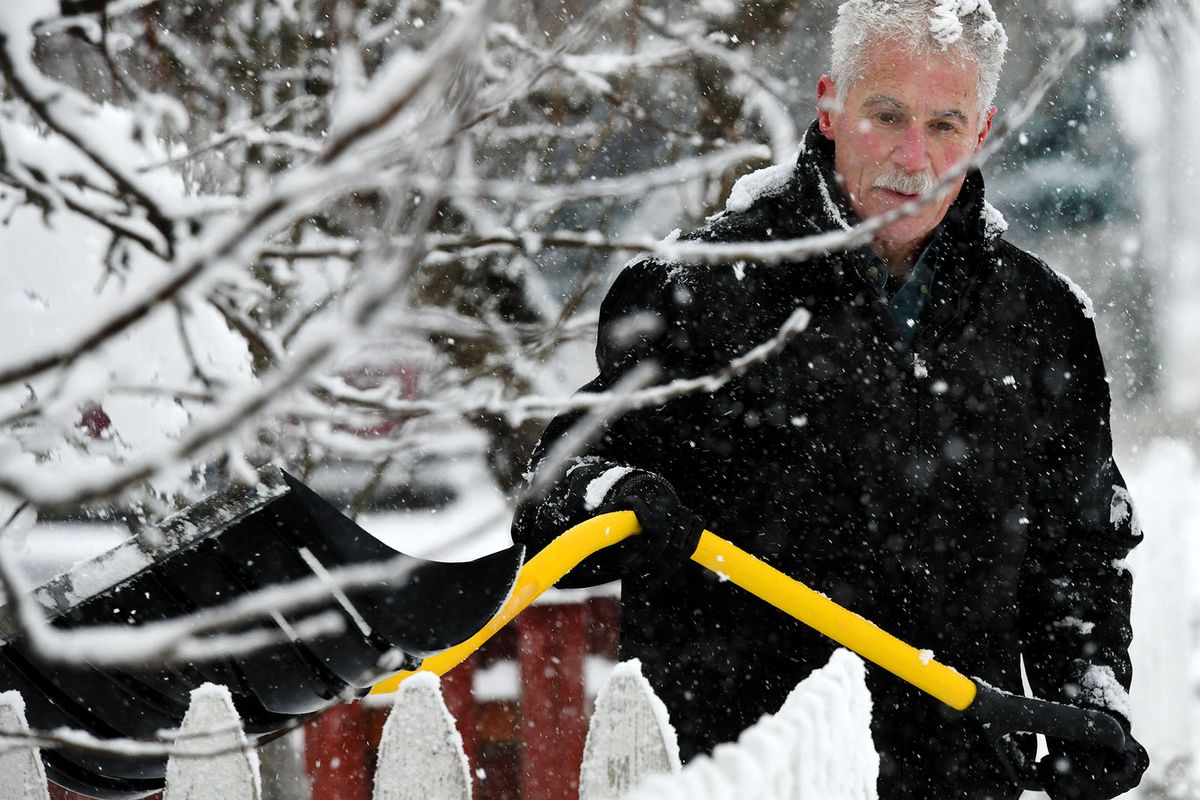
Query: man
(932, 451)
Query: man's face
(901, 126)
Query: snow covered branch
(616, 401)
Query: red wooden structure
(527, 747)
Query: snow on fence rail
(817, 747)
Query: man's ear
(986, 129)
(827, 105)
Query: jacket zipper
(912, 377)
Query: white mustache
(906, 183)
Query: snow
(920, 368)
(92, 577)
(765, 182)
(212, 722)
(106, 133)
(55, 285)
(838, 759)
(1164, 476)
(598, 489)
(47, 549)
(21, 767)
(945, 23)
(817, 747)
(1085, 302)
(96, 565)
(777, 119)
(421, 753)
(719, 9)
(994, 223)
(1159, 87)
(1092, 10)
(831, 208)
(1100, 686)
(499, 680)
(1121, 510)
(630, 737)
(358, 103)
(1075, 624)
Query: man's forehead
(891, 62)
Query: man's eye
(945, 127)
(887, 118)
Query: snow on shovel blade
(231, 544)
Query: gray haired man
(932, 451)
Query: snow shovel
(232, 544)
(1000, 712)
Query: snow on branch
(238, 238)
(60, 491)
(176, 745)
(536, 407)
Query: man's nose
(912, 154)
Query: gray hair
(967, 29)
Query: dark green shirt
(905, 296)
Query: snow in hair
(967, 28)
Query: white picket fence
(817, 747)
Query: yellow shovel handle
(730, 562)
(840, 624)
(539, 574)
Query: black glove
(1079, 771)
(670, 532)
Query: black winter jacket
(960, 492)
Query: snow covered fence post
(421, 755)
(230, 775)
(831, 712)
(22, 776)
(817, 747)
(630, 737)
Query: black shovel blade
(429, 606)
(436, 605)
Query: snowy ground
(1165, 483)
